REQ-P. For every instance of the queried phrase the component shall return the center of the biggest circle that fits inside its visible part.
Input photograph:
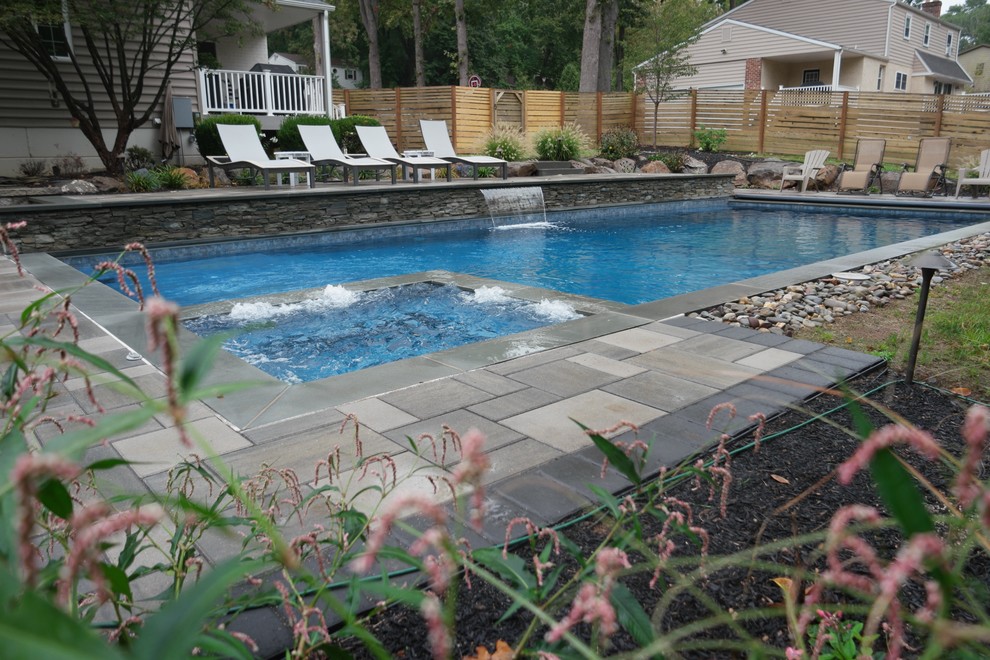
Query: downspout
(327, 76)
(886, 41)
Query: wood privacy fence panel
(770, 121)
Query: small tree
(129, 49)
(660, 42)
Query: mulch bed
(764, 504)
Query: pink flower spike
(920, 441)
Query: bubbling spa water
(341, 330)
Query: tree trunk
(606, 46)
(462, 44)
(369, 18)
(590, 45)
(418, 44)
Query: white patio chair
(376, 143)
(982, 177)
(805, 172)
(437, 140)
(324, 150)
(244, 150)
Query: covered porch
(235, 76)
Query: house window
(811, 77)
(928, 34)
(979, 69)
(350, 74)
(880, 75)
(907, 27)
(948, 45)
(942, 88)
(900, 81)
(55, 40)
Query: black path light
(929, 263)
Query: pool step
(551, 167)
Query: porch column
(327, 75)
(836, 69)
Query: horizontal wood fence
(769, 121)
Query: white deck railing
(263, 93)
(820, 88)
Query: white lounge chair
(324, 150)
(982, 177)
(244, 150)
(437, 140)
(805, 172)
(376, 142)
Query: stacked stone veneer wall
(208, 215)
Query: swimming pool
(339, 330)
(629, 254)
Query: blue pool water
(627, 254)
(341, 331)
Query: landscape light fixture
(928, 262)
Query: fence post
(398, 119)
(694, 117)
(347, 103)
(563, 107)
(940, 105)
(635, 103)
(598, 116)
(843, 117)
(453, 115)
(491, 107)
(761, 143)
(523, 110)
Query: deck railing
(819, 88)
(262, 92)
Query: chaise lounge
(244, 150)
(929, 170)
(437, 140)
(866, 168)
(324, 150)
(377, 144)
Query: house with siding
(976, 61)
(839, 45)
(222, 76)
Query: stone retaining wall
(81, 223)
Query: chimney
(934, 8)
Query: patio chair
(324, 150)
(437, 140)
(244, 150)
(808, 170)
(929, 170)
(866, 168)
(375, 141)
(982, 177)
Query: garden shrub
(207, 137)
(710, 139)
(673, 161)
(142, 180)
(33, 167)
(505, 141)
(172, 178)
(566, 142)
(343, 131)
(619, 142)
(136, 158)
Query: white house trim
(779, 33)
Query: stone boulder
(766, 174)
(108, 184)
(598, 161)
(694, 166)
(827, 176)
(624, 165)
(522, 168)
(655, 167)
(582, 166)
(78, 187)
(193, 179)
(731, 167)
(599, 169)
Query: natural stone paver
(160, 450)
(694, 367)
(377, 415)
(459, 421)
(436, 398)
(608, 365)
(564, 378)
(514, 404)
(555, 424)
(769, 359)
(521, 455)
(490, 382)
(659, 390)
(640, 340)
(717, 346)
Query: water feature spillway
(516, 207)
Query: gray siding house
(35, 125)
(839, 45)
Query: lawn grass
(955, 342)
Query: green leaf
(616, 457)
(631, 615)
(511, 568)
(32, 628)
(864, 427)
(119, 583)
(107, 463)
(171, 632)
(198, 362)
(74, 350)
(409, 596)
(56, 498)
(607, 499)
(900, 494)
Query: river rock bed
(819, 302)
